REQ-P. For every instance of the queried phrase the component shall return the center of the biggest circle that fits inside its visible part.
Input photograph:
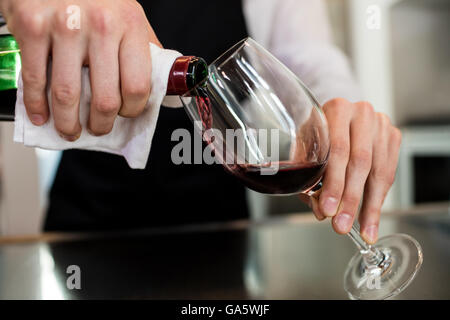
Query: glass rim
(231, 52)
(218, 62)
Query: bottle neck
(186, 73)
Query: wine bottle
(10, 65)
(185, 74)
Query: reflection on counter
(290, 258)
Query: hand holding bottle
(111, 37)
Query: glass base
(402, 258)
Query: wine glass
(266, 128)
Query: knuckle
(361, 159)
(366, 107)
(33, 79)
(384, 119)
(65, 94)
(59, 23)
(340, 148)
(102, 21)
(136, 91)
(373, 210)
(351, 200)
(107, 105)
(335, 103)
(67, 128)
(32, 21)
(62, 25)
(382, 176)
(333, 188)
(35, 105)
(338, 102)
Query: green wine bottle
(10, 65)
(186, 73)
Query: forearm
(324, 69)
(301, 39)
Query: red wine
(204, 109)
(290, 178)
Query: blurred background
(403, 68)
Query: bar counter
(285, 257)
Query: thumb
(313, 202)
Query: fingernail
(330, 206)
(315, 207)
(343, 222)
(69, 137)
(37, 119)
(319, 216)
(370, 233)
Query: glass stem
(371, 255)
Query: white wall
(20, 207)
(371, 53)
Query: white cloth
(130, 138)
(298, 33)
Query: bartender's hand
(362, 165)
(110, 36)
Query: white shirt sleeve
(298, 33)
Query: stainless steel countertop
(292, 257)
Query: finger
(381, 177)
(67, 57)
(338, 115)
(358, 168)
(376, 188)
(34, 55)
(105, 82)
(134, 73)
(312, 202)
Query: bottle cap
(177, 84)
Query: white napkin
(130, 138)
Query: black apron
(98, 191)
